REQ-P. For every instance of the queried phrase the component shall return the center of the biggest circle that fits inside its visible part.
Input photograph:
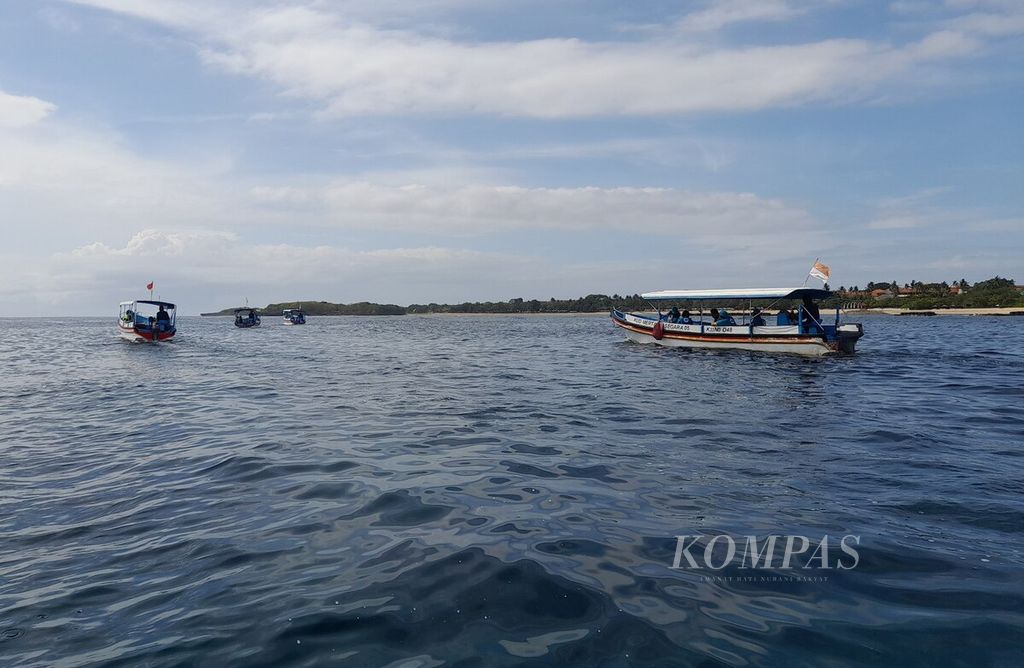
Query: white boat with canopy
(293, 316)
(803, 331)
(246, 318)
(147, 320)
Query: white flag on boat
(820, 271)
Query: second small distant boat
(246, 318)
(294, 316)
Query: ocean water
(505, 491)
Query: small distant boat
(247, 317)
(294, 316)
(147, 320)
(804, 333)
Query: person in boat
(785, 317)
(684, 318)
(812, 316)
(723, 319)
(756, 319)
(673, 315)
(714, 316)
(163, 318)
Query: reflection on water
(502, 491)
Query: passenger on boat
(684, 318)
(812, 316)
(714, 316)
(163, 318)
(724, 319)
(756, 320)
(785, 317)
(673, 315)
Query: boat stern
(847, 336)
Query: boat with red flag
(147, 320)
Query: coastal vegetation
(594, 303)
(993, 292)
(325, 308)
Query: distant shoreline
(1003, 310)
(432, 314)
(1006, 310)
(997, 311)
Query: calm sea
(499, 491)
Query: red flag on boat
(149, 286)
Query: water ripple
(478, 491)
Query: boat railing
(804, 324)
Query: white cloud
(1009, 5)
(910, 6)
(721, 13)
(176, 13)
(991, 24)
(19, 111)
(896, 222)
(57, 177)
(1014, 225)
(59, 20)
(931, 216)
(359, 70)
(912, 210)
(203, 270)
(356, 68)
(64, 184)
(85, 189)
(54, 175)
(486, 208)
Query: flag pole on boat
(822, 273)
(812, 269)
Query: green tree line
(994, 292)
(985, 294)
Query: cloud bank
(352, 67)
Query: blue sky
(451, 150)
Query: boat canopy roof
(149, 301)
(246, 309)
(291, 310)
(737, 293)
